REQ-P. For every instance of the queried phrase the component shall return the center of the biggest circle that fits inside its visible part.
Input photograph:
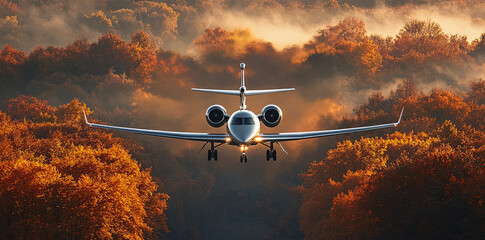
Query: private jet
(243, 126)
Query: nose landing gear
(244, 157)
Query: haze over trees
(424, 181)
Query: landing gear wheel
(241, 158)
(245, 159)
(209, 155)
(274, 155)
(268, 155)
(215, 155)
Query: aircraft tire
(215, 155)
(268, 155)
(274, 155)
(209, 155)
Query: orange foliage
(10, 65)
(29, 108)
(368, 57)
(479, 49)
(143, 57)
(60, 179)
(109, 54)
(423, 112)
(415, 185)
(424, 41)
(8, 8)
(477, 92)
(405, 185)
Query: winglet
(400, 116)
(86, 118)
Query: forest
(60, 179)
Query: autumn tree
(30, 108)
(420, 42)
(404, 186)
(368, 58)
(143, 56)
(423, 112)
(479, 49)
(60, 179)
(346, 48)
(110, 52)
(11, 61)
(477, 92)
(8, 8)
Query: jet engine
(271, 115)
(216, 115)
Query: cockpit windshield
(242, 121)
(248, 121)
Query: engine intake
(271, 115)
(216, 115)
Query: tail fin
(243, 66)
(242, 92)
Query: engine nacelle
(216, 115)
(271, 115)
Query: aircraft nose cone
(244, 138)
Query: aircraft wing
(291, 136)
(205, 137)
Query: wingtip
(400, 116)
(85, 117)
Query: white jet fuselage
(243, 126)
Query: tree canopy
(62, 180)
(426, 183)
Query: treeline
(80, 62)
(60, 179)
(421, 51)
(425, 181)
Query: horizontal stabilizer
(257, 92)
(247, 93)
(228, 92)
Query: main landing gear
(271, 153)
(212, 154)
